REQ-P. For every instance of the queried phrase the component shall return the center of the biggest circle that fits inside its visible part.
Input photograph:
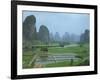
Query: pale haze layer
(73, 23)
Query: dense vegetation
(42, 44)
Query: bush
(43, 53)
(61, 44)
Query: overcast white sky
(74, 23)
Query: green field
(81, 51)
(63, 64)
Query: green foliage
(61, 44)
(43, 53)
(59, 64)
(27, 56)
(82, 51)
(32, 37)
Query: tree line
(43, 36)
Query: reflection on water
(58, 58)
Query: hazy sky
(74, 23)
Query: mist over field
(73, 23)
(55, 39)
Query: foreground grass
(82, 51)
(58, 64)
(27, 57)
(65, 63)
